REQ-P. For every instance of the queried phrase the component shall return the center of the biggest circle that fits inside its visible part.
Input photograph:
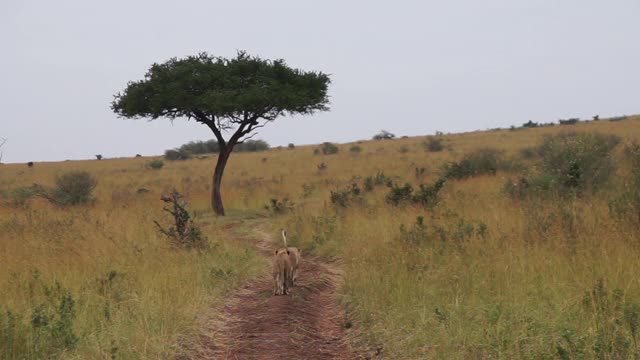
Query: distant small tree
(383, 135)
(99, 157)
(238, 95)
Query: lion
(281, 272)
(295, 257)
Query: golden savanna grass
(495, 278)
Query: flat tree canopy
(230, 96)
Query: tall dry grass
(99, 281)
(481, 276)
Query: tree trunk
(216, 199)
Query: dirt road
(253, 324)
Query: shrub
(378, 179)
(399, 194)
(155, 164)
(568, 121)
(573, 161)
(383, 135)
(344, 197)
(99, 157)
(183, 233)
(72, 188)
(291, 146)
(251, 146)
(177, 154)
(212, 146)
(355, 149)
(328, 148)
(427, 195)
(530, 124)
(480, 162)
(46, 332)
(433, 144)
(20, 196)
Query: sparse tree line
(185, 151)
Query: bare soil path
(253, 324)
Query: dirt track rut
(253, 324)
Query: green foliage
(615, 327)
(384, 135)
(433, 144)
(344, 198)
(223, 89)
(47, 331)
(291, 146)
(577, 161)
(155, 164)
(399, 194)
(72, 188)
(376, 180)
(480, 162)
(177, 154)
(426, 195)
(252, 146)
(19, 197)
(328, 148)
(355, 149)
(571, 121)
(530, 124)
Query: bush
(155, 164)
(384, 135)
(177, 154)
(72, 188)
(184, 233)
(530, 124)
(433, 144)
(19, 197)
(480, 162)
(579, 162)
(399, 194)
(378, 179)
(212, 146)
(251, 146)
(344, 197)
(355, 149)
(328, 148)
(568, 121)
(45, 331)
(291, 146)
(427, 196)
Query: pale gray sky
(410, 67)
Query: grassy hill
(526, 253)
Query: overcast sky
(410, 67)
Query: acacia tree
(232, 97)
